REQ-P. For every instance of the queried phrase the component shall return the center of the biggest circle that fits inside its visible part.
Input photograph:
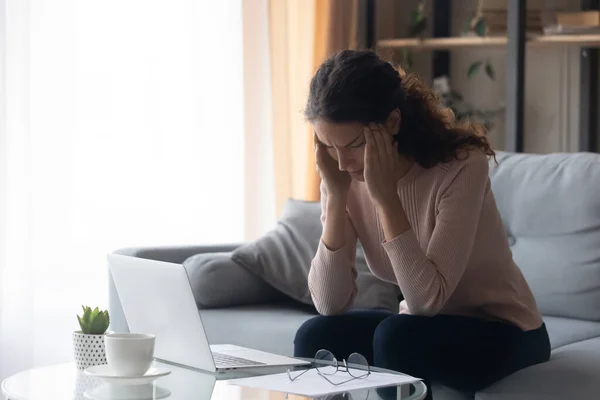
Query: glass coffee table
(64, 381)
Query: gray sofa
(550, 205)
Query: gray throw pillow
(282, 257)
(217, 282)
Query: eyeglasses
(326, 365)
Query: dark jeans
(463, 353)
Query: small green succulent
(93, 322)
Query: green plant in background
(416, 29)
(93, 322)
(478, 26)
(463, 110)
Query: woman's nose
(344, 161)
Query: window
(124, 127)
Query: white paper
(311, 384)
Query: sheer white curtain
(122, 125)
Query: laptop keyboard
(226, 360)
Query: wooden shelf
(573, 40)
(444, 43)
(489, 41)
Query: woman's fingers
(379, 141)
(389, 143)
(384, 142)
(318, 152)
(370, 149)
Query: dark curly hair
(358, 86)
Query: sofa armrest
(173, 254)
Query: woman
(402, 176)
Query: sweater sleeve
(428, 278)
(332, 275)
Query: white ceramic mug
(129, 354)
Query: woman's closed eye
(358, 145)
(349, 146)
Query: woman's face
(345, 143)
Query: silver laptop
(157, 298)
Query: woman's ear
(392, 123)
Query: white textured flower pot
(88, 349)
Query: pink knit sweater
(455, 259)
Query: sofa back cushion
(282, 257)
(550, 206)
(219, 282)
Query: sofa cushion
(269, 328)
(564, 331)
(571, 373)
(550, 206)
(217, 281)
(446, 393)
(282, 257)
